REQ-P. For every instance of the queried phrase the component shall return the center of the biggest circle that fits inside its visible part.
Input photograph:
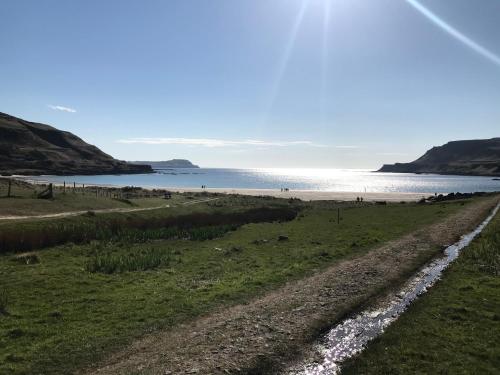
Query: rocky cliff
(479, 157)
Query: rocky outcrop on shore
(29, 148)
(479, 157)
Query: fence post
(8, 190)
(338, 215)
(64, 187)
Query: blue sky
(256, 83)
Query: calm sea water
(295, 179)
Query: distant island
(29, 148)
(174, 163)
(479, 157)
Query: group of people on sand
(359, 199)
(203, 186)
(284, 189)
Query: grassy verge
(60, 317)
(454, 329)
(23, 199)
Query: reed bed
(24, 237)
(146, 259)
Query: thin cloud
(210, 142)
(61, 108)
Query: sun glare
(455, 33)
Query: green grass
(454, 328)
(4, 301)
(24, 202)
(142, 260)
(62, 317)
(193, 234)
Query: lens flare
(282, 66)
(454, 32)
(324, 62)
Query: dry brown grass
(27, 258)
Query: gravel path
(273, 329)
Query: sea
(333, 180)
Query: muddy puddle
(352, 335)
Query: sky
(256, 83)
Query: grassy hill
(479, 157)
(29, 148)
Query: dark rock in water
(29, 148)
(479, 157)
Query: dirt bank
(270, 330)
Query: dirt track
(272, 329)
(103, 211)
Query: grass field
(453, 329)
(23, 199)
(65, 307)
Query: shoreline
(313, 195)
(305, 195)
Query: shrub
(27, 258)
(485, 254)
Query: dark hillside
(29, 148)
(479, 157)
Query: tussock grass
(193, 234)
(4, 301)
(144, 260)
(486, 254)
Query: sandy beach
(305, 195)
(314, 195)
